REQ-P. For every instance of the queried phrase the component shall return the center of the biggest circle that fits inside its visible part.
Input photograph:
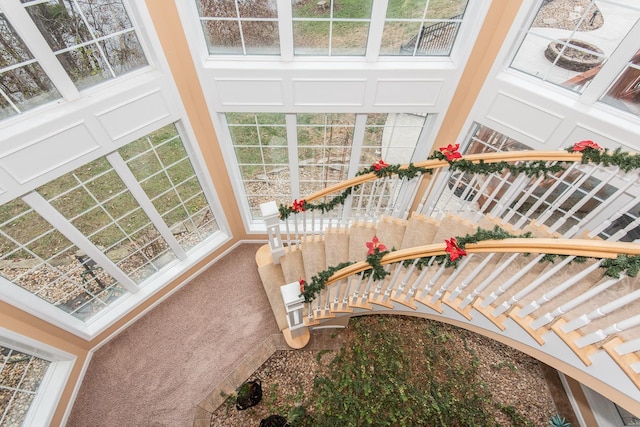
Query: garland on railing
(455, 251)
(591, 153)
(377, 250)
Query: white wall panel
(528, 119)
(250, 92)
(27, 161)
(407, 92)
(329, 92)
(582, 132)
(134, 114)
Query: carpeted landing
(159, 369)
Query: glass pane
(38, 258)
(260, 145)
(568, 44)
(20, 378)
(311, 9)
(79, 33)
(103, 209)
(406, 9)
(257, 9)
(349, 38)
(393, 140)
(23, 87)
(625, 91)
(223, 37)
(446, 9)
(217, 8)
(261, 38)
(60, 24)
(311, 37)
(162, 167)
(352, 10)
(399, 38)
(123, 53)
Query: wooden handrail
(505, 156)
(577, 247)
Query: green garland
(625, 161)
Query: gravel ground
(512, 377)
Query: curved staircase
(546, 295)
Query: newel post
(271, 217)
(297, 335)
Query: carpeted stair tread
(293, 266)
(419, 231)
(336, 247)
(272, 278)
(359, 235)
(390, 232)
(313, 255)
(452, 226)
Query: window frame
(467, 27)
(46, 400)
(257, 225)
(16, 13)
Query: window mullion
(356, 145)
(38, 46)
(49, 213)
(613, 67)
(376, 28)
(292, 149)
(138, 193)
(285, 28)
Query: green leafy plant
(558, 421)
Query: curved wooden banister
(505, 156)
(576, 247)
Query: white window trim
(46, 401)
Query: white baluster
(588, 197)
(505, 286)
(393, 281)
(602, 311)
(420, 278)
(538, 281)
(432, 281)
(526, 218)
(607, 222)
(496, 272)
(451, 278)
(576, 302)
(559, 201)
(406, 277)
(524, 196)
(558, 290)
(467, 280)
(602, 334)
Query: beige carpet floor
(156, 371)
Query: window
(162, 167)
(98, 233)
(625, 91)
(331, 27)
(20, 377)
(421, 27)
(41, 260)
(23, 83)
(93, 40)
(568, 46)
(285, 156)
(241, 27)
